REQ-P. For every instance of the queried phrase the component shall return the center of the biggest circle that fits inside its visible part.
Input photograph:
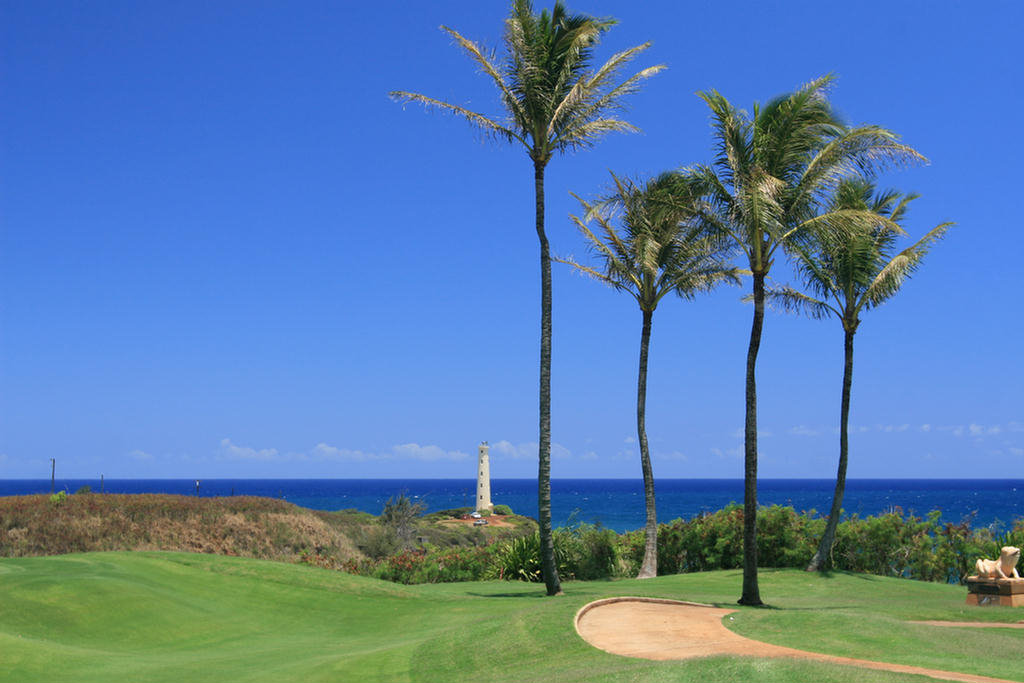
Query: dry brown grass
(247, 526)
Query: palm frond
(790, 300)
(836, 224)
(862, 151)
(658, 248)
(891, 277)
(587, 134)
(613, 65)
(488, 67)
(486, 125)
(588, 271)
(585, 102)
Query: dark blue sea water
(615, 503)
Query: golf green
(184, 617)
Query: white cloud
(323, 451)
(629, 440)
(230, 451)
(727, 453)
(889, 429)
(589, 455)
(418, 452)
(674, 455)
(1016, 451)
(926, 428)
(508, 449)
(976, 430)
(803, 430)
(140, 455)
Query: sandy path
(666, 629)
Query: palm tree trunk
(751, 595)
(649, 568)
(829, 537)
(547, 547)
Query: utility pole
(101, 484)
(53, 471)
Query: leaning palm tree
(658, 250)
(851, 272)
(553, 102)
(768, 190)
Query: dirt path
(657, 629)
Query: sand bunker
(657, 629)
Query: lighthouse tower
(483, 480)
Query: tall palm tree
(553, 102)
(767, 189)
(851, 272)
(657, 251)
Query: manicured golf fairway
(181, 617)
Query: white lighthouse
(483, 480)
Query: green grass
(182, 617)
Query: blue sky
(224, 252)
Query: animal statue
(1003, 568)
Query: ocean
(615, 503)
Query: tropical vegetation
(768, 190)
(852, 271)
(658, 251)
(553, 102)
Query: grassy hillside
(246, 526)
(185, 617)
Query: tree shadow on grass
(832, 573)
(539, 594)
(776, 608)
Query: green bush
(591, 552)
(58, 498)
(399, 518)
(519, 559)
(433, 565)
(502, 510)
(377, 542)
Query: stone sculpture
(1003, 568)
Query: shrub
(58, 498)
(376, 542)
(591, 552)
(519, 559)
(399, 517)
(434, 565)
(501, 509)
(84, 489)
